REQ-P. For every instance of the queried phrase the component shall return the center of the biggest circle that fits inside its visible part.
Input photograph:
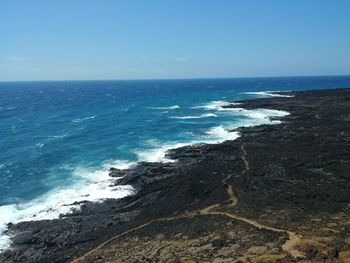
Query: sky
(165, 39)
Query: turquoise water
(58, 139)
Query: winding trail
(289, 246)
(230, 190)
(81, 259)
(244, 158)
(293, 238)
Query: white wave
(120, 164)
(90, 184)
(158, 150)
(268, 94)
(221, 106)
(57, 136)
(257, 116)
(7, 108)
(157, 153)
(174, 107)
(219, 134)
(208, 115)
(272, 113)
(215, 105)
(40, 145)
(83, 119)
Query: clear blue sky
(132, 39)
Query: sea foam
(217, 134)
(215, 105)
(174, 107)
(207, 115)
(268, 94)
(91, 184)
(77, 120)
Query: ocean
(58, 139)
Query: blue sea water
(58, 139)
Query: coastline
(265, 186)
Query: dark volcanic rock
(294, 175)
(114, 172)
(22, 238)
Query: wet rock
(114, 172)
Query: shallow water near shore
(58, 139)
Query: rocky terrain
(278, 193)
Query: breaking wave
(174, 107)
(268, 94)
(207, 115)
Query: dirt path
(244, 158)
(230, 190)
(293, 238)
(288, 246)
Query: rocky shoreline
(278, 193)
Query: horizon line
(194, 78)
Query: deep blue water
(58, 139)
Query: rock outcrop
(278, 193)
